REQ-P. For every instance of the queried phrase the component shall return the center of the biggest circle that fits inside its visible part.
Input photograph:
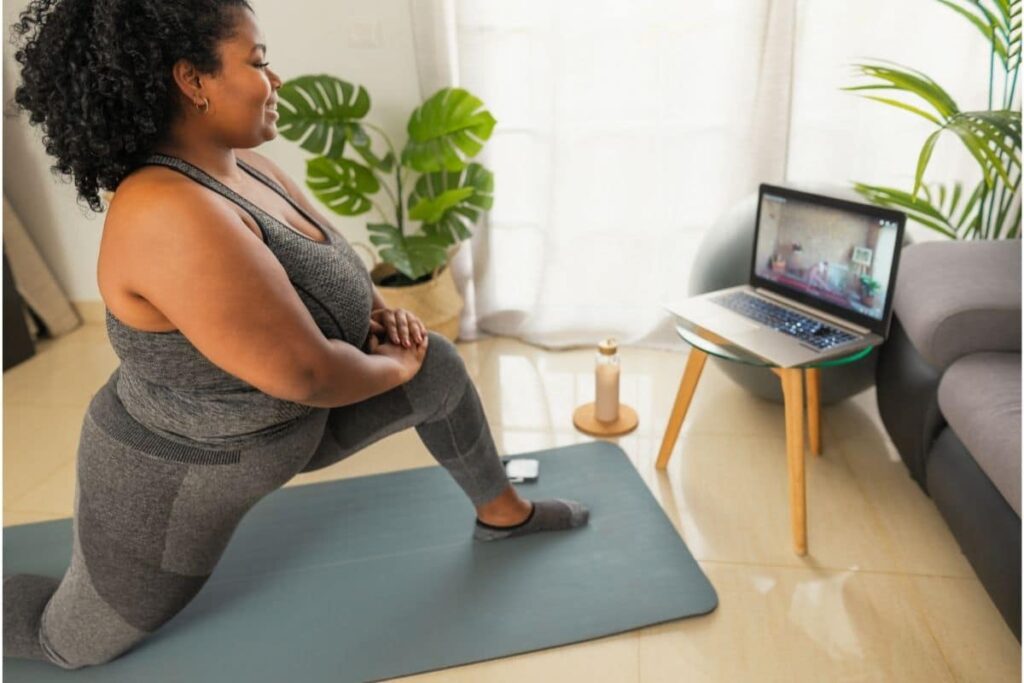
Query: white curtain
(625, 129)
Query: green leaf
(363, 145)
(989, 26)
(984, 134)
(990, 163)
(1005, 121)
(972, 209)
(984, 26)
(991, 136)
(949, 203)
(942, 216)
(414, 255)
(923, 158)
(1014, 224)
(916, 208)
(1004, 11)
(341, 184)
(957, 191)
(475, 185)
(900, 198)
(431, 209)
(911, 81)
(446, 131)
(320, 112)
(904, 105)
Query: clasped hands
(396, 326)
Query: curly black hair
(96, 76)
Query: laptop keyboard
(809, 330)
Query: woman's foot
(507, 509)
(545, 515)
(510, 515)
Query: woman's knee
(103, 608)
(442, 377)
(443, 358)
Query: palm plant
(325, 115)
(991, 209)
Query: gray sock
(25, 597)
(547, 515)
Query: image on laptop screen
(834, 255)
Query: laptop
(820, 284)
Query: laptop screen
(839, 256)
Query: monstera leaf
(322, 114)
(414, 256)
(341, 184)
(446, 130)
(325, 115)
(450, 203)
(362, 144)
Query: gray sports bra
(166, 384)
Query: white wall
(368, 42)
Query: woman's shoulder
(148, 185)
(155, 193)
(157, 215)
(153, 198)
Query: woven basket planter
(436, 302)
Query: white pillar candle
(606, 408)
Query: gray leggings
(152, 516)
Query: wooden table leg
(793, 391)
(813, 379)
(687, 385)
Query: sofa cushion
(979, 396)
(956, 298)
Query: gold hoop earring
(205, 106)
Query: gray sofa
(949, 392)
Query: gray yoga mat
(375, 577)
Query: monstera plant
(433, 181)
(991, 208)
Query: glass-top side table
(794, 380)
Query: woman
(253, 344)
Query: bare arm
(196, 261)
(333, 383)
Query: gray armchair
(949, 393)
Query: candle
(607, 406)
(606, 376)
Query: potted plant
(991, 209)
(868, 287)
(431, 183)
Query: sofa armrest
(957, 298)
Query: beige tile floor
(884, 594)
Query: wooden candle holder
(585, 421)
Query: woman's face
(243, 96)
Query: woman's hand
(398, 325)
(409, 360)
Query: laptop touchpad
(721, 320)
(730, 324)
